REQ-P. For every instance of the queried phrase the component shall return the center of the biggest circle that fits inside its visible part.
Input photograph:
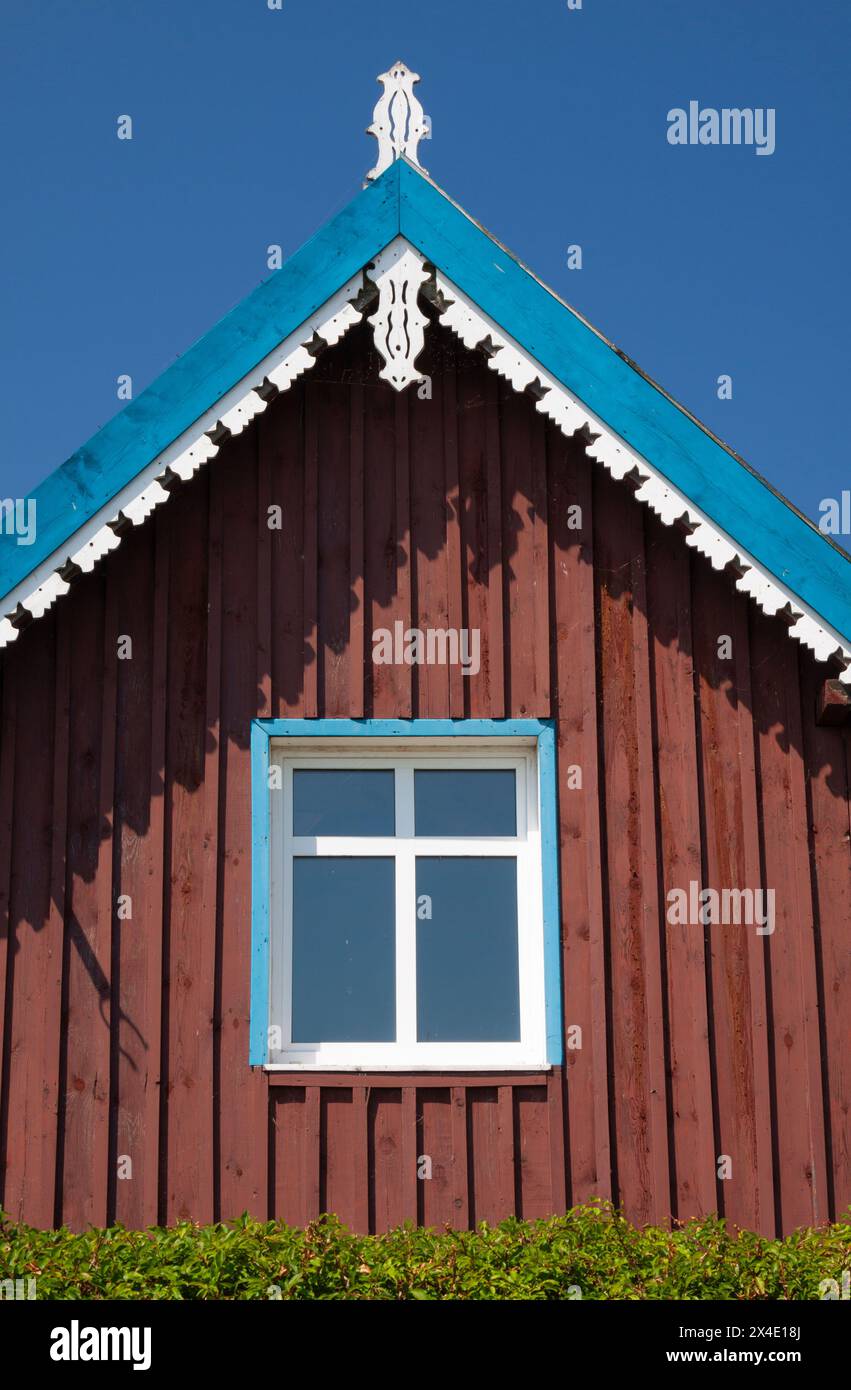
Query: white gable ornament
(398, 323)
(398, 121)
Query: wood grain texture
(685, 1044)
(730, 813)
(584, 974)
(35, 976)
(140, 580)
(791, 946)
(828, 772)
(88, 919)
(675, 749)
(635, 917)
(241, 1091)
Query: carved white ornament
(398, 121)
(398, 323)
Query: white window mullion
(406, 945)
(406, 915)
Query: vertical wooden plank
(190, 906)
(281, 429)
(538, 603)
(495, 506)
(360, 1158)
(105, 870)
(452, 507)
(480, 508)
(634, 909)
(155, 1135)
(492, 1146)
(555, 1134)
(506, 1151)
(242, 1118)
(669, 598)
(345, 1147)
(534, 1177)
(34, 1005)
(386, 1159)
(51, 981)
(360, 645)
(139, 571)
(524, 554)
(460, 1159)
(388, 582)
(296, 1120)
(89, 910)
(517, 543)
(438, 1199)
(429, 544)
(410, 1152)
(315, 1183)
(574, 644)
(402, 686)
(800, 1103)
(828, 758)
(264, 579)
(330, 401)
(310, 559)
(731, 853)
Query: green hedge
(591, 1251)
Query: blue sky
(549, 127)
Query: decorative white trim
(522, 371)
(398, 121)
(195, 447)
(398, 324)
(398, 273)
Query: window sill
(289, 1074)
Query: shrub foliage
(592, 1252)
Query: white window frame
(406, 1053)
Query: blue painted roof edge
(730, 493)
(188, 388)
(740, 502)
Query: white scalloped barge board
(521, 370)
(398, 272)
(236, 409)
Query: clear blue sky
(549, 127)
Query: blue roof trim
(402, 200)
(736, 499)
(193, 384)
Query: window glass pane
(343, 801)
(344, 950)
(458, 802)
(468, 987)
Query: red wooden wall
(129, 1037)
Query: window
(404, 891)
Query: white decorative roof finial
(398, 121)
